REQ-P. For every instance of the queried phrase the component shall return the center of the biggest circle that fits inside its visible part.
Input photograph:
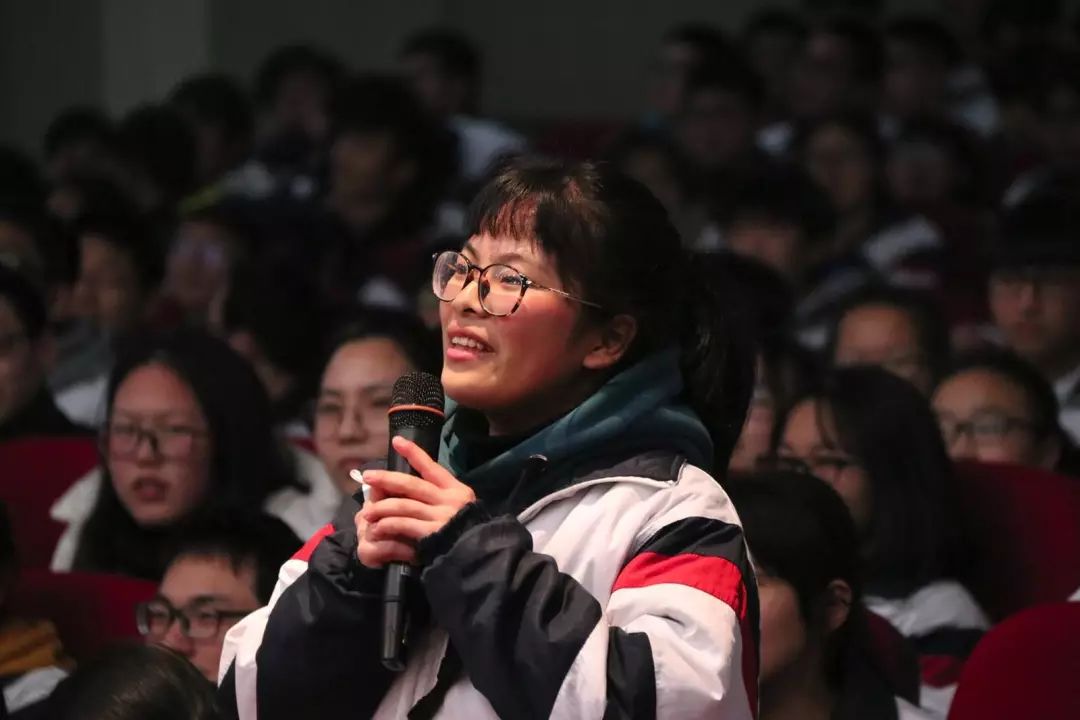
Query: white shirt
(1065, 387)
(304, 513)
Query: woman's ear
(837, 605)
(611, 342)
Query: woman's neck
(800, 692)
(542, 408)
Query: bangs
(551, 211)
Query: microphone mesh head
(416, 388)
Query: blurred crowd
(220, 287)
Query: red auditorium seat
(1026, 667)
(1024, 525)
(33, 474)
(88, 609)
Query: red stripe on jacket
(716, 576)
(304, 553)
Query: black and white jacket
(625, 592)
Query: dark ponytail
(615, 245)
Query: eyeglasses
(817, 465)
(121, 440)
(500, 287)
(984, 428)
(154, 619)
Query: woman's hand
(402, 509)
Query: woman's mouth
(462, 348)
(150, 490)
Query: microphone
(416, 413)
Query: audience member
(920, 55)
(652, 159)
(78, 141)
(219, 116)
(120, 269)
(272, 320)
(32, 660)
(445, 71)
(777, 216)
(389, 169)
(222, 569)
(135, 682)
(814, 653)
(873, 242)
(206, 246)
(27, 408)
(209, 446)
(995, 407)
(294, 88)
(367, 355)
(1035, 291)
(874, 438)
(716, 127)
(157, 153)
(42, 249)
(772, 41)
(683, 50)
(896, 329)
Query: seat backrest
(1026, 667)
(1024, 527)
(89, 610)
(34, 473)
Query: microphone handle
(399, 576)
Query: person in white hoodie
(188, 432)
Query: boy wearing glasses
(1035, 291)
(223, 568)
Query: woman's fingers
(404, 507)
(403, 528)
(378, 553)
(422, 463)
(398, 484)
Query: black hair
(456, 54)
(246, 539)
(775, 20)
(1042, 402)
(710, 42)
(636, 140)
(20, 181)
(26, 300)
(248, 462)
(864, 42)
(862, 125)
(135, 235)
(1027, 16)
(928, 34)
(924, 313)
(799, 531)
(959, 145)
(781, 194)
(56, 252)
(381, 104)
(133, 682)
(736, 78)
(420, 346)
(281, 312)
(889, 428)
(218, 100)
(1039, 230)
(156, 139)
(293, 60)
(75, 125)
(613, 244)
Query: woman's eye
(327, 409)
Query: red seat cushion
(1024, 525)
(88, 609)
(1026, 667)
(34, 473)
